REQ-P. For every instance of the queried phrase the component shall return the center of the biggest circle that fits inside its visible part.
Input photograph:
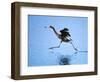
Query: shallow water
(70, 59)
(54, 57)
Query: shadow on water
(83, 51)
(80, 52)
(65, 59)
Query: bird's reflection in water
(51, 51)
(68, 59)
(64, 60)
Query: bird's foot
(76, 49)
(51, 48)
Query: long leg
(73, 46)
(77, 49)
(56, 46)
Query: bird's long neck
(57, 34)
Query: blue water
(41, 38)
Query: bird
(64, 36)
